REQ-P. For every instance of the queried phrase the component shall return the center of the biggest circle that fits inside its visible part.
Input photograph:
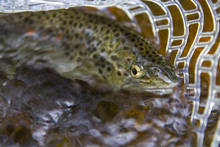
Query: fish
(83, 45)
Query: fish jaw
(165, 88)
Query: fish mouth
(161, 90)
(135, 85)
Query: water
(40, 108)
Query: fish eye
(136, 71)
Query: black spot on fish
(114, 30)
(95, 56)
(77, 35)
(81, 53)
(100, 71)
(67, 53)
(89, 41)
(80, 25)
(103, 65)
(77, 46)
(108, 69)
(101, 29)
(106, 38)
(122, 30)
(75, 24)
(115, 58)
(108, 31)
(127, 34)
(26, 19)
(117, 35)
(102, 50)
(99, 42)
(119, 73)
(126, 48)
(153, 52)
(102, 59)
(70, 22)
(134, 36)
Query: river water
(40, 108)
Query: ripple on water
(52, 110)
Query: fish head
(153, 77)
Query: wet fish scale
(83, 45)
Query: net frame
(213, 99)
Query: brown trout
(82, 45)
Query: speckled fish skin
(82, 45)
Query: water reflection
(40, 108)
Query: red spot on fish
(59, 36)
(31, 32)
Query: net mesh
(188, 31)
